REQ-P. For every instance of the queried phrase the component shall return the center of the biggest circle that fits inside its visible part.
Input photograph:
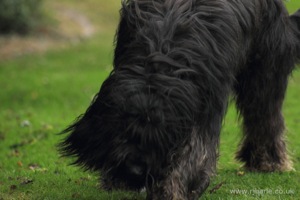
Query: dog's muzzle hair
(156, 120)
(131, 116)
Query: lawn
(42, 93)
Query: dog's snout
(136, 170)
(135, 167)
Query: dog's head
(133, 126)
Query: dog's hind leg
(260, 91)
(259, 100)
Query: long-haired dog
(156, 121)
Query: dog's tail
(295, 20)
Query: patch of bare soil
(71, 27)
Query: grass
(41, 94)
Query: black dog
(156, 121)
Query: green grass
(41, 94)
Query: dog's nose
(135, 167)
(136, 170)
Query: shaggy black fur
(156, 121)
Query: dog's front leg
(190, 172)
(190, 176)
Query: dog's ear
(295, 19)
